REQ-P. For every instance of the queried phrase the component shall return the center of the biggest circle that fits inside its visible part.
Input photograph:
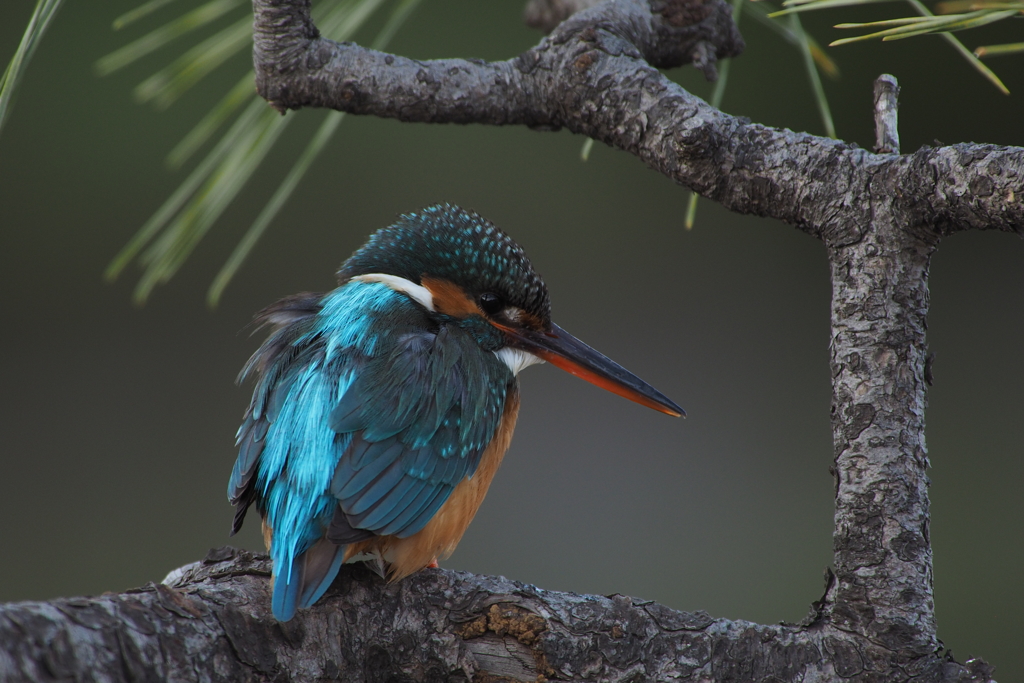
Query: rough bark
(597, 74)
(211, 621)
(880, 217)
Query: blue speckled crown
(448, 242)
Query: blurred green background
(118, 422)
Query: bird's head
(458, 265)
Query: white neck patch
(517, 359)
(418, 292)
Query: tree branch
(212, 621)
(597, 75)
(880, 217)
(887, 136)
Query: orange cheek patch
(531, 321)
(450, 299)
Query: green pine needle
(996, 50)
(960, 6)
(760, 12)
(888, 22)
(394, 22)
(40, 20)
(716, 101)
(170, 83)
(585, 150)
(165, 242)
(962, 49)
(982, 12)
(342, 28)
(139, 12)
(277, 201)
(157, 38)
(968, 21)
(691, 210)
(176, 201)
(917, 26)
(812, 75)
(206, 127)
(168, 253)
(793, 6)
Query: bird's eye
(491, 303)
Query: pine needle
(174, 203)
(139, 12)
(762, 14)
(40, 20)
(221, 112)
(793, 6)
(716, 101)
(812, 75)
(996, 50)
(588, 145)
(339, 25)
(277, 201)
(168, 84)
(962, 49)
(157, 38)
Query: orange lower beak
(565, 351)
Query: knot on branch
(508, 637)
(706, 25)
(545, 15)
(665, 33)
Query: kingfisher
(382, 409)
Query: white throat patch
(418, 292)
(517, 359)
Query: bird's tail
(308, 578)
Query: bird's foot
(433, 564)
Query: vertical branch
(882, 552)
(282, 31)
(883, 556)
(887, 137)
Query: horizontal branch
(212, 621)
(597, 75)
(880, 215)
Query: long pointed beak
(565, 351)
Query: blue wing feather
(438, 396)
(384, 509)
(365, 416)
(377, 457)
(426, 513)
(376, 491)
(424, 506)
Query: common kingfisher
(382, 409)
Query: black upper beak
(563, 350)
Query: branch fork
(879, 216)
